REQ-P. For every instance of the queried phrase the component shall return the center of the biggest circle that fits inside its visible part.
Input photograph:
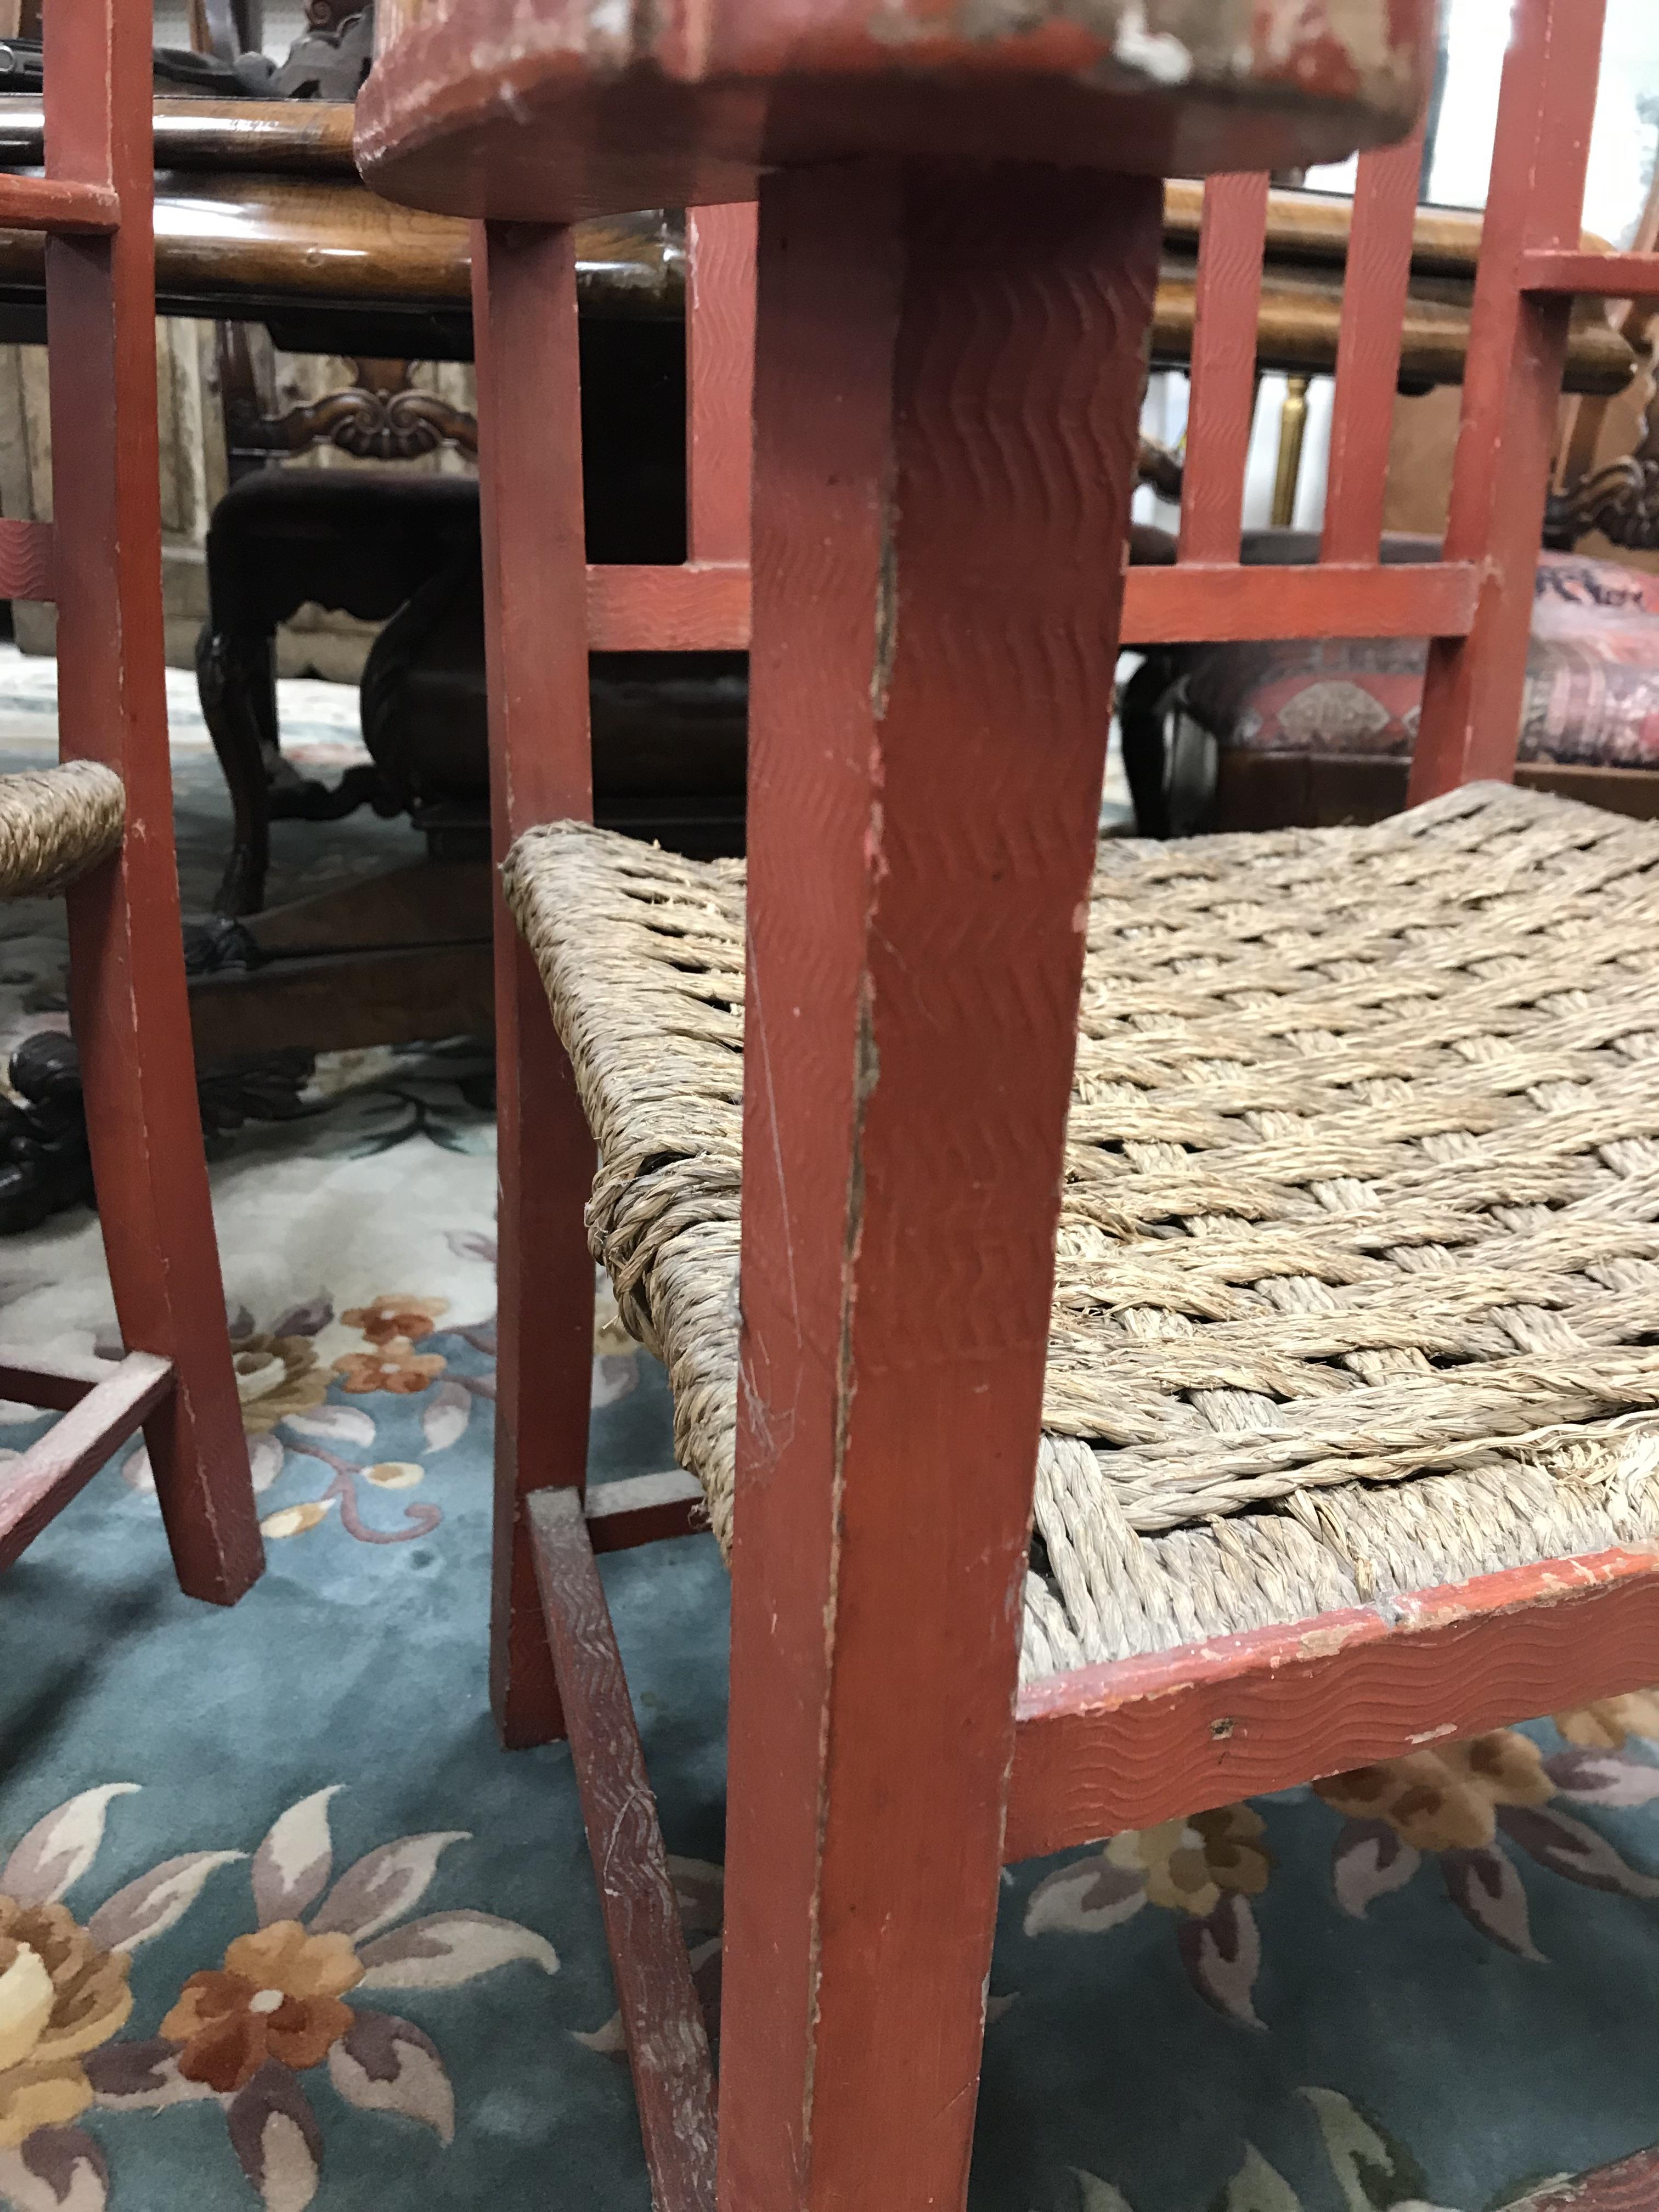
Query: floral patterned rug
(279, 1924)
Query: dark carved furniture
(407, 955)
(279, 540)
(99, 827)
(376, 545)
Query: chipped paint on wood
(548, 109)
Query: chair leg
(523, 317)
(1141, 719)
(236, 680)
(544, 1326)
(948, 381)
(127, 1001)
(138, 1079)
(667, 2040)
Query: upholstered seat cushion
(1592, 693)
(1358, 1257)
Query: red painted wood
(662, 2019)
(1368, 349)
(59, 1386)
(126, 972)
(524, 320)
(1222, 402)
(1592, 276)
(1632, 2185)
(680, 610)
(546, 113)
(56, 203)
(719, 379)
(1512, 394)
(61, 1463)
(948, 379)
(643, 609)
(644, 1509)
(27, 560)
(1127, 1745)
(1189, 606)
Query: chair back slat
(719, 379)
(1471, 698)
(1222, 405)
(1368, 349)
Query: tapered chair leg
(948, 379)
(127, 985)
(126, 967)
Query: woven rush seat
(1358, 1284)
(55, 823)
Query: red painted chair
(1309, 733)
(101, 824)
(947, 382)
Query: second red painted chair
(99, 827)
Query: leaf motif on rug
(1205, 1871)
(282, 2006)
(1373, 2173)
(1470, 1805)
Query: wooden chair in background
(1313, 731)
(100, 824)
(947, 383)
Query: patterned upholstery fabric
(1592, 692)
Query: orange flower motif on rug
(395, 1313)
(1205, 1869)
(1190, 1865)
(244, 2034)
(392, 1365)
(277, 1995)
(276, 1377)
(1610, 1723)
(1469, 1807)
(1445, 1800)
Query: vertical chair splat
(1473, 689)
(1374, 290)
(1222, 406)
